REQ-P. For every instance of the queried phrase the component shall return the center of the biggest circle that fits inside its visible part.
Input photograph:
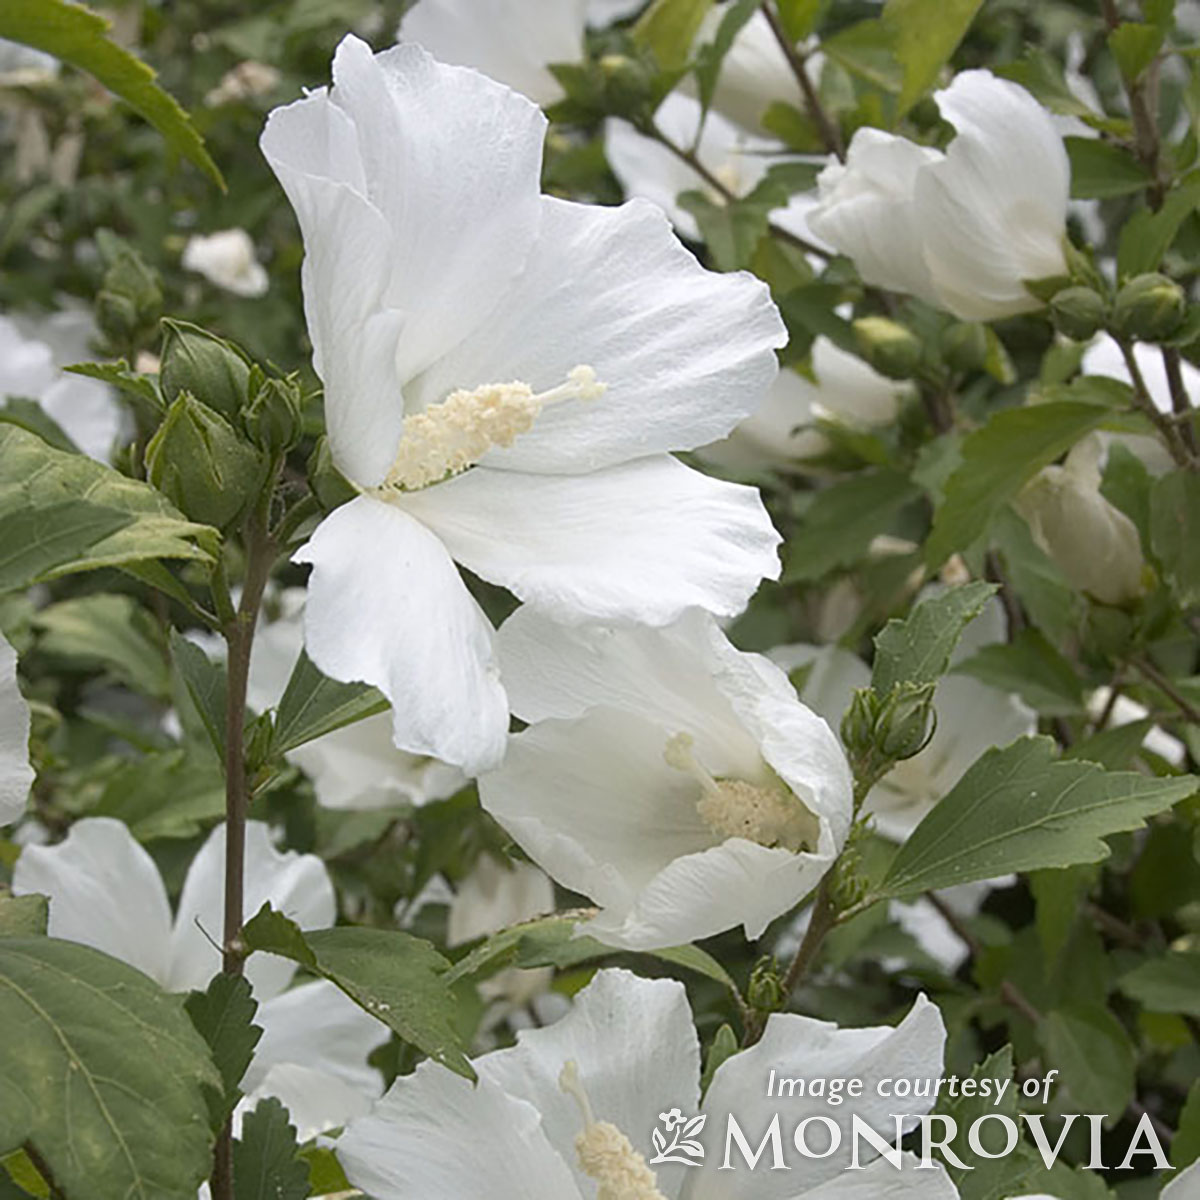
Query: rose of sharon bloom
(16, 775)
(781, 433)
(1095, 545)
(354, 767)
(739, 160)
(568, 1112)
(105, 891)
(972, 718)
(676, 781)
(1185, 1185)
(505, 374)
(961, 230)
(227, 259)
(31, 355)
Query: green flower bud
(211, 369)
(858, 723)
(201, 464)
(628, 85)
(765, 992)
(258, 736)
(332, 488)
(906, 721)
(117, 317)
(965, 346)
(1149, 307)
(130, 299)
(274, 417)
(1078, 312)
(888, 346)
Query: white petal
(1185, 1185)
(434, 1136)
(685, 353)
(754, 73)
(296, 885)
(26, 364)
(637, 1055)
(514, 45)
(16, 773)
(226, 258)
(386, 607)
(833, 676)
(641, 541)
(105, 892)
(798, 1047)
(993, 212)
(86, 412)
(881, 1181)
(316, 1102)
(850, 390)
(453, 162)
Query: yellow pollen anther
(767, 814)
(454, 434)
(605, 1153)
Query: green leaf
(1092, 1050)
(266, 1160)
(61, 513)
(1020, 809)
(924, 35)
(112, 632)
(1100, 170)
(800, 17)
(724, 1045)
(1170, 983)
(1032, 668)
(206, 686)
(119, 375)
(1175, 532)
(917, 650)
(998, 460)
(1135, 46)
(173, 794)
(78, 36)
(711, 56)
(23, 916)
(1185, 1146)
(102, 1073)
(223, 1015)
(668, 28)
(1147, 235)
(1057, 895)
(1113, 748)
(1050, 601)
(843, 519)
(32, 417)
(399, 979)
(314, 705)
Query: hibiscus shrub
(600, 598)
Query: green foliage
(314, 705)
(667, 29)
(223, 1015)
(1169, 983)
(1021, 809)
(102, 1073)
(1092, 1050)
(77, 35)
(22, 916)
(266, 1160)
(205, 684)
(924, 34)
(1030, 667)
(1175, 532)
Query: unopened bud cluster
(1147, 308)
(880, 730)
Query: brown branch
(1167, 428)
(1180, 401)
(1160, 681)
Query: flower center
(767, 814)
(454, 434)
(605, 1153)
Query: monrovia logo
(683, 1147)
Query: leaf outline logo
(683, 1147)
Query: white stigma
(605, 1153)
(767, 814)
(454, 434)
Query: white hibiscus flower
(227, 259)
(106, 892)
(628, 1058)
(16, 775)
(505, 375)
(676, 781)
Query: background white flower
(676, 781)
(962, 230)
(106, 892)
(435, 272)
(16, 774)
(227, 259)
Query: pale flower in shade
(965, 229)
(971, 718)
(23, 66)
(16, 775)
(1095, 545)
(357, 766)
(844, 390)
(33, 352)
(568, 1112)
(227, 258)
(106, 892)
(673, 779)
(1185, 1185)
(492, 392)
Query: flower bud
(628, 85)
(211, 369)
(890, 348)
(274, 418)
(965, 346)
(1149, 307)
(906, 721)
(1094, 544)
(331, 487)
(201, 464)
(858, 723)
(130, 299)
(1078, 312)
(765, 992)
